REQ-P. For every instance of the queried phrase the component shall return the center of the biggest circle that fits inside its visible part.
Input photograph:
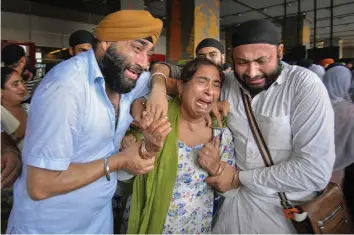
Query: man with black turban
(211, 49)
(81, 41)
(79, 115)
(294, 115)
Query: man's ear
(23, 60)
(281, 51)
(71, 51)
(105, 45)
(222, 59)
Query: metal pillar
(331, 28)
(284, 22)
(299, 23)
(315, 23)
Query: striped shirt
(32, 84)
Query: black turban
(256, 32)
(80, 37)
(210, 42)
(12, 53)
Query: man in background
(14, 57)
(81, 41)
(227, 68)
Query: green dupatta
(152, 192)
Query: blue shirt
(72, 121)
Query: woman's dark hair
(5, 75)
(192, 66)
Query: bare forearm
(60, 182)
(158, 81)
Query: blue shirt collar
(94, 69)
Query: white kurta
(296, 119)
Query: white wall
(48, 32)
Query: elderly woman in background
(318, 69)
(174, 197)
(338, 82)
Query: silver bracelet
(106, 167)
(163, 75)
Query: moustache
(254, 78)
(135, 68)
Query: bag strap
(263, 149)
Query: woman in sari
(174, 197)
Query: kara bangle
(106, 167)
(220, 169)
(143, 152)
(163, 75)
(236, 180)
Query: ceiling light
(53, 52)
(239, 14)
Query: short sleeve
(9, 123)
(53, 123)
(227, 148)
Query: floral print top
(192, 202)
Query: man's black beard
(112, 66)
(269, 79)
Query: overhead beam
(277, 18)
(322, 27)
(340, 36)
(343, 31)
(322, 8)
(254, 9)
(335, 17)
(257, 9)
